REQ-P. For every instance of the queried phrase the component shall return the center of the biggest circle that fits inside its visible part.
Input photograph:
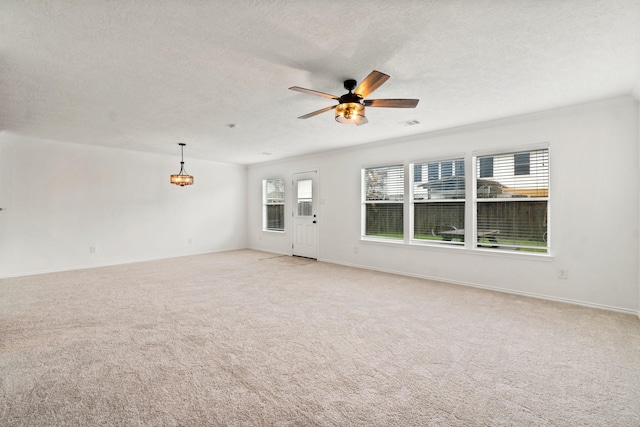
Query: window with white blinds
(512, 200)
(439, 201)
(383, 201)
(507, 207)
(273, 204)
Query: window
(521, 163)
(446, 169)
(273, 208)
(507, 195)
(439, 202)
(512, 205)
(383, 204)
(417, 173)
(485, 166)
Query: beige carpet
(249, 338)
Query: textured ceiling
(145, 75)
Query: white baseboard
(330, 261)
(108, 264)
(491, 288)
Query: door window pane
(305, 197)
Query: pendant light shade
(350, 113)
(182, 178)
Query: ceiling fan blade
(313, 92)
(315, 113)
(391, 103)
(372, 82)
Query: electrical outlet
(355, 249)
(563, 274)
(92, 249)
(190, 241)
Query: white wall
(593, 213)
(59, 199)
(637, 97)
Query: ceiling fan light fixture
(350, 113)
(182, 178)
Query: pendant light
(350, 113)
(182, 178)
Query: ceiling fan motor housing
(350, 97)
(350, 84)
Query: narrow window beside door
(273, 204)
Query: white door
(305, 219)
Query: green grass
(520, 245)
(388, 235)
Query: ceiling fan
(350, 108)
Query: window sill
(460, 249)
(388, 241)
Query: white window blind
(305, 197)
(273, 208)
(383, 201)
(512, 202)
